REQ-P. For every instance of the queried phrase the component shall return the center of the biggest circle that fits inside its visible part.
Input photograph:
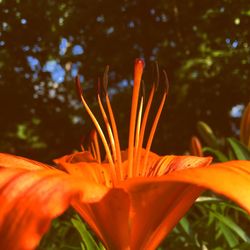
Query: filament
(115, 133)
(111, 137)
(155, 123)
(113, 122)
(143, 126)
(138, 133)
(96, 145)
(98, 128)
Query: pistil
(139, 64)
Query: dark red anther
(166, 81)
(105, 78)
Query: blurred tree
(44, 44)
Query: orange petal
(109, 218)
(12, 161)
(76, 157)
(31, 199)
(231, 179)
(93, 172)
(84, 165)
(159, 203)
(170, 163)
(151, 156)
(156, 209)
(151, 160)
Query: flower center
(138, 123)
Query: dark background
(203, 45)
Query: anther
(166, 81)
(105, 78)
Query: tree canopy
(203, 45)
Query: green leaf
(219, 155)
(243, 246)
(207, 134)
(101, 246)
(240, 151)
(88, 241)
(229, 235)
(186, 226)
(231, 224)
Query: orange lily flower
(131, 200)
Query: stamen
(143, 90)
(110, 134)
(155, 123)
(105, 118)
(92, 150)
(157, 75)
(81, 143)
(138, 69)
(82, 148)
(94, 139)
(137, 137)
(98, 128)
(166, 81)
(115, 133)
(139, 117)
(105, 79)
(143, 127)
(138, 126)
(113, 122)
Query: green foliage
(62, 235)
(203, 45)
(225, 222)
(238, 150)
(222, 149)
(69, 232)
(88, 241)
(207, 134)
(216, 154)
(211, 224)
